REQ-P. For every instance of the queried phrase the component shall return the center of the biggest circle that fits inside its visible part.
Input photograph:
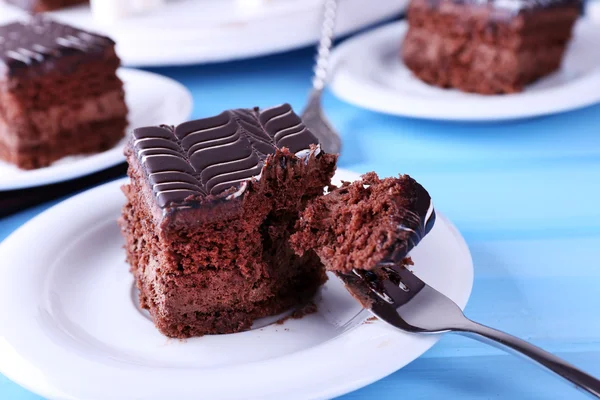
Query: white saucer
(152, 99)
(71, 327)
(192, 31)
(368, 72)
(592, 11)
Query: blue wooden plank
(11, 391)
(477, 378)
(572, 135)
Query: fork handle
(550, 362)
(325, 43)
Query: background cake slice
(487, 47)
(209, 212)
(59, 93)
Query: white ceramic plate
(192, 31)
(592, 10)
(368, 72)
(152, 99)
(71, 328)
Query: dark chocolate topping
(41, 40)
(418, 222)
(208, 156)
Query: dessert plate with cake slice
(424, 73)
(150, 99)
(64, 97)
(193, 31)
(72, 325)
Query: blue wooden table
(525, 195)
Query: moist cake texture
(210, 209)
(37, 6)
(359, 228)
(365, 223)
(487, 47)
(59, 93)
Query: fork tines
(389, 283)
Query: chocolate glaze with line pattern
(40, 40)
(210, 156)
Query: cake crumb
(370, 320)
(307, 309)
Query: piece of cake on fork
(487, 46)
(210, 209)
(361, 228)
(59, 93)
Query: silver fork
(398, 297)
(313, 115)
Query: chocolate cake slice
(38, 6)
(59, 93)
(364, 225)
(210, 209)
(490, 46)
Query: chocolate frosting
(206, 157)
(40, 41)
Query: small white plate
(192, 31)
(592, 11)
(368, 72)
(71, 327)
(152, 99)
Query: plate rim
(96, 162)
(336, 388)
(356, 90)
